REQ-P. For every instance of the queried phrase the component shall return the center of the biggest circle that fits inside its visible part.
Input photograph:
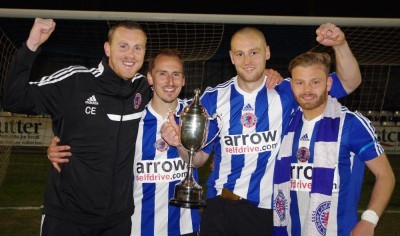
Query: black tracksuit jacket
(97, 113)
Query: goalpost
(375, 43)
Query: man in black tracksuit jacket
(96, 112)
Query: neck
(248, 86)
(311, 114)
(162, 108)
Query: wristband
(370, 216)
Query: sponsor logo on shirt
(91, 110)
(251, 143)
(305, 138)
(301, 178)
(156, 171)
(248, 107)
(92, 100)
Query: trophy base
(187, 204)
(188, 194)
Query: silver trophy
(194, 122)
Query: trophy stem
(188, 193)
(190, 165)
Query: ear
(149, 78)
(329, 82)
(184, 80)
(107, 49)
(231, 56)
(267, 53)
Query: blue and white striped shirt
(157, 169)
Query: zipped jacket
(97, 113)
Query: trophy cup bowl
(194, 122)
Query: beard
(311, 105)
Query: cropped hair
(311, 58)
(171, 52)
(127, 24)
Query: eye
(138, 48)
(123, 46)
(177, 75)
(163, 74)
(239, 54)
(298, 82)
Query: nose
(307, 87)
(130, 53)
(170, 80)
(247, 58)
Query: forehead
(247, 40)
(133, 35)
(309, 72)
(166, 62)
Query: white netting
(370, 94)
(372, 45)
(7, 50)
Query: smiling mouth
(130, 64)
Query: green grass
(26, 178)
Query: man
(96, 112)
(153, 184)
(254, 119)
(325, 166)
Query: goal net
(7, 51)
(204, 43)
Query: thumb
(56, 166)
(171, 118)
(54, 141)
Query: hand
(58, 154)
(273, 78)
(212, 166)
(363, 228)
(329, 34)
(171, 132)
(40, 32)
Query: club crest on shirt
(161, 145)
(303, 154)
(137, 100)
(281, 205)
(248, 120)
(320, 217)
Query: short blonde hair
(309, 59)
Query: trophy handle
(216, 115)
(219, 131)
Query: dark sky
(335, 8)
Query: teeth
(128, 63)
